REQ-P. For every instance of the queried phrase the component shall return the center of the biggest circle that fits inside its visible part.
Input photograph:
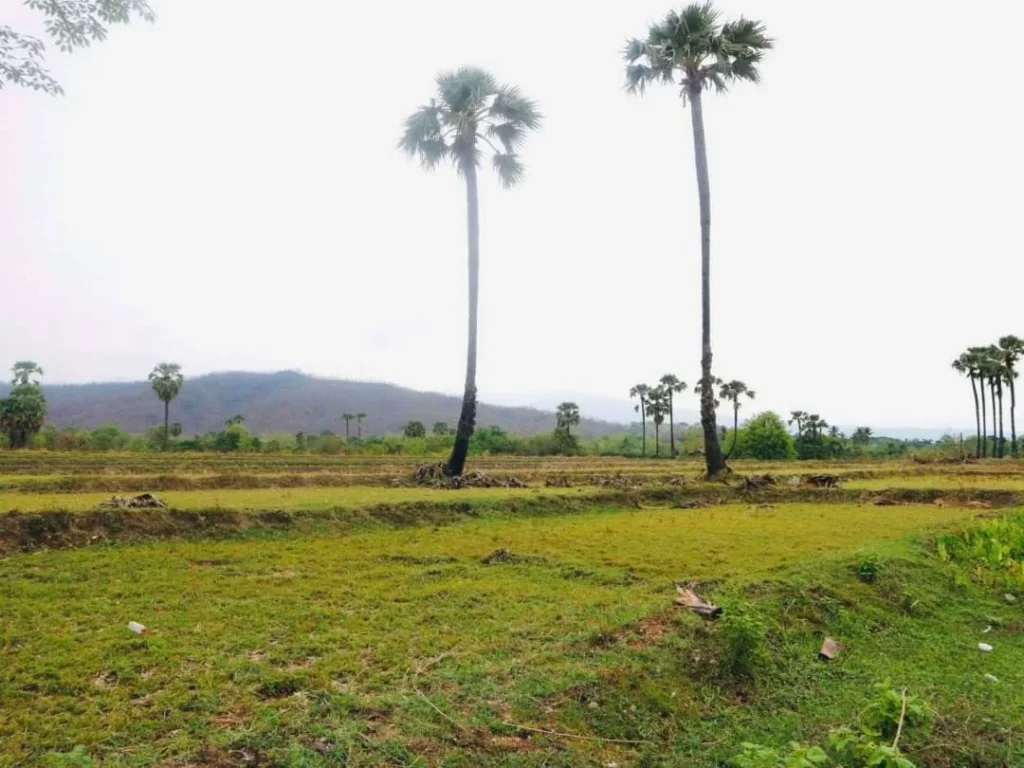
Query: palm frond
(512, 107)
(423, 136)
(511, 135)
(510, 169)
(466, 90)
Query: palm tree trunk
(167, 422)
(467, 418)
(984, 420)
(995, 439)
(1013, 416)
(713, 459)
(671, 428)
(643, 427)
(977, 416)
(657, 438)
(1002, 439)
(346, 430)
(735, 428)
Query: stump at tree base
(430, 474)
(689, 599)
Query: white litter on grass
(992, 678)
(1010, 598)
(984, 647)
(986, 630)
(138, 629)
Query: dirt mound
(434, 476)
(559, 481)
(755, 482)
(824, 481)
(619, 481)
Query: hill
(287, 401)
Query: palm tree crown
(471, 107)
(167, 381)
(704, 52)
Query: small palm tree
(798, 418)
(347, 418)
(167, 381)
(732, 391)
(641, 391)
(657, 407)
(861, 436)
(359, 425)
(1013, 349)
(673, 386)
(567, 415)
(471, 109)
(693, 46)
(966, 365)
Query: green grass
(400, 647)
(299, 499)
(952, 482)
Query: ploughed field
(306, 610)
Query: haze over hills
(286, 401)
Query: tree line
(990, 368)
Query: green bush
(765, 437)
(743, 644)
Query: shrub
(765, 437)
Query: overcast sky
(222, 189)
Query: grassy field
(416, 644)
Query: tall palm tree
(798, 417)
(693, 45)
(167, 381)
(657, 406)
(468, 109)
(966, 366)
(347, 418)
(359, 425)
(1013, 349)
(733, 390)
(673, 386)
(641, 391)
(861, 436)
(977, 355)
(567, 415)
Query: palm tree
(798, 417)
(359, 425)
(1013, 349)
(567, 415)
(966, 365)
(657, 406)
(673, 386)
(733, 391)
(705, 54)
(347, 418)
(167, 381)
(23, 372)
(469, 108)
(861, 436)
(641, 391)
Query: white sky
(222, 189)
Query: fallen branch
(575, 735)
(903, 714)
(689, 599)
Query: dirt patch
(651, 629)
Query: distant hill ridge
(287, 401)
